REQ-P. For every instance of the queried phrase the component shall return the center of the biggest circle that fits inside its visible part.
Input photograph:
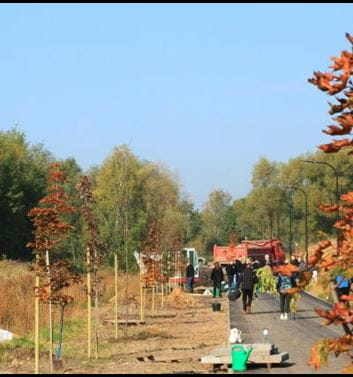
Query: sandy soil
(172, 342)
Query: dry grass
(17, 305)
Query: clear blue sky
(208, 89)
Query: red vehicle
(254, 249)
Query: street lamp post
(306, 219)
(337, 190)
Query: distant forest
(132, 194)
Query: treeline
(276, 201)
(133, 196)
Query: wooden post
(142, 298)
(36, 325)
(153, 300)
(97, 317)
(162, 295)
(156, 303)
(50, 315)
(116, 294)
(89, 304)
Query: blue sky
(207, 89)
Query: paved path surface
(295, 336)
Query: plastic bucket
(240, 357)
(216, 307)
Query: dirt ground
(172, 342)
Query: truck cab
(188, 254)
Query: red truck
(254, 249)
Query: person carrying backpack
(247, 281)
(285, 282)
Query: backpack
(284, 283)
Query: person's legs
(281, 302)
(214, 288)
(250, 297)
(287, 303)
(220, 288)
(192, 285)
(244, 298)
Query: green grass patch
(18, 347)
(72, 329)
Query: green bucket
(240, 357)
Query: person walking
(301, 264)
(229, 274)
(247, 281)
(217, 276)
(190, 275)
(294, 260)
(285, 282)
(343, 286)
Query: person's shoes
(282, 316)
(248, 310)
(285, 316)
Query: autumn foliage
(49, 230)
(338, 81)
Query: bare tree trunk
(116, 294)
(50, 314)
(89, 304)
(96, 299)
(36, 325)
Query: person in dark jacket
(232, 272)
(248, 279)
(190, 275)
(229, 274)
(238, 270)
(294, 260)
(217, 277)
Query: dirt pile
(179, 299)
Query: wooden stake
(142, 304)
(36, 325)
(162, 295)
(97, 319)
(116, 294)
(89, 304)
(96, 300)
(50, 315)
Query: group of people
(242, 275)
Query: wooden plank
(253, 359)
(257, 347)
(130, 322)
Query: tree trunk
(89, 304)
(116, 294)
(50, 314)
(36, 325)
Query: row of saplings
(53, 275)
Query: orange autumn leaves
(333, 84)
(340, 262)
(49, 231)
